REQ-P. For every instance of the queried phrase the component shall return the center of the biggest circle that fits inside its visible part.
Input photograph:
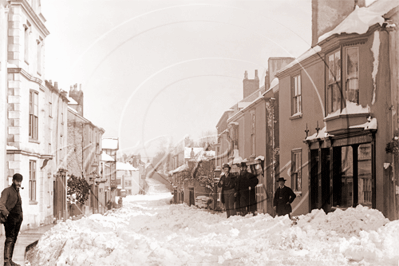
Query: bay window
(345, 88)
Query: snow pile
(343, 223)
(148, 231)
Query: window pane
(299, 85)
(299, 104)
(352, 78)
(35, 107)
(364, 175)
(336, 98)
(331, 69)
(337, 65)
(347, 176)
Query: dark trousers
(243, 203)
(12, 226)
(229, 202)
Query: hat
(17, 177)
(243, 164)
(281, 179)
(226, 165)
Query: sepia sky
(166, 68)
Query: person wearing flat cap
(11, 215)
(245, 190)
(283, 198)
(228, 182)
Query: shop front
(342, 170)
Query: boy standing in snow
(228, 182)
(12, 216)
(283, 198)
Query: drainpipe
(272, 101)
(393, 64)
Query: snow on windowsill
(350, 109)
(11, 148)
(370, 124)
(296, 116)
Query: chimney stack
(250, 85)
(76, 93)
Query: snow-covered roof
(187, 152)
(359, 21)
(71, 100)
(106, 158)
(305, 55)
(242, 105)
(110, 144)
(120, 166)
(274, 82)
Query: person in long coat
(283, 198)
(245, 190)
(12, 216)
(228, 182)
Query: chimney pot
(245, 75)
(256, 74)
(56, 85)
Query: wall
(312, 110)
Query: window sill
(34, 141)
(296, 116)
(33, 202)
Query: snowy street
(150, 231)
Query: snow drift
(149, 231)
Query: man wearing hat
(228, 182)
(283, 198)
(245, 189)
(11, 215)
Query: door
(191, 196)
(325, 180)
(314, 179)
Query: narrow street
(147, 230)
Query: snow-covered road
(150, 231)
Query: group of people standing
(239, 189)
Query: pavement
(25, 238)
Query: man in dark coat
(245, 190)
(11, 210)
(228, 182)
(283, 198)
